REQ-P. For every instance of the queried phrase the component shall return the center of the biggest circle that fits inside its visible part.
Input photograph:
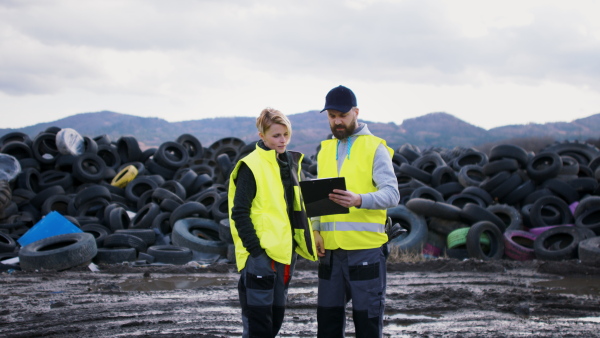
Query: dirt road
(438, 298)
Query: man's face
(342, 124)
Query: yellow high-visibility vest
(268, 211)
(361, 228)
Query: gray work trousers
(263, 288)
(357, 275)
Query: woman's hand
(319, 244)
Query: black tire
(171, 155)
(227, 145)
(493, 182)
(559, 243)
(202, 182)
(128, 149)
(570, 166)
(191, 144)
(536, 215)
(170, 254)
(449, 189)
(509, 151)
(147, 235)
(584, 186)
(90, 193)
(409, 151)
(510, 216)
(187, 177)
(144, 217)
(429, 208)
(427, 193)
(443, 174)
(460, 200)
(479, 192)
(169, 205)
(415, 173)
(544, 166)
(182, 235)
(55, 177)
(589, 251)
(589, 202)
(138, 186)
(473, 213)
(428, 162)
(519, 193)
(505, 164)
(471, 175)
(506, 187)
(476, 250)
(477, 158)
(115, 255)
(589, 219)
(7, 243)
(562, 189)
(157, 169)
(18, 150)
(160, 194)
(98, 231)
(110, 155)
(225, 231)
(89, 168)
(122, 240)
(59, 203)
(443, 226)
(176, 188)
(161, 222)
(43, 195)
(118, 219)
(584, 152)
(220, 209)
(44, 148)
(414, 238)
(207, 197)
(225, 166)
(188, 209)
(58, 252)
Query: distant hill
(309, 128)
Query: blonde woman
(269, 224)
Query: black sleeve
(240, 213)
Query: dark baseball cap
(341, 99)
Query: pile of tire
(159, 205)
(510, 204)
(168, 203)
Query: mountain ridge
(437, 129)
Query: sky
(489, 63)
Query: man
(352, 262)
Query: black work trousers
(357, 275)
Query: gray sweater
(384, 178)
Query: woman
(269, 224)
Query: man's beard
(346, 132)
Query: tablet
(316, 196)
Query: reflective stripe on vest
(352, 226)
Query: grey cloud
(410, 41)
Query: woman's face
(276, 137)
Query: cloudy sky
(489, 63)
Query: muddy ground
(436, 298)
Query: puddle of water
(573, 285)
(171, 283)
